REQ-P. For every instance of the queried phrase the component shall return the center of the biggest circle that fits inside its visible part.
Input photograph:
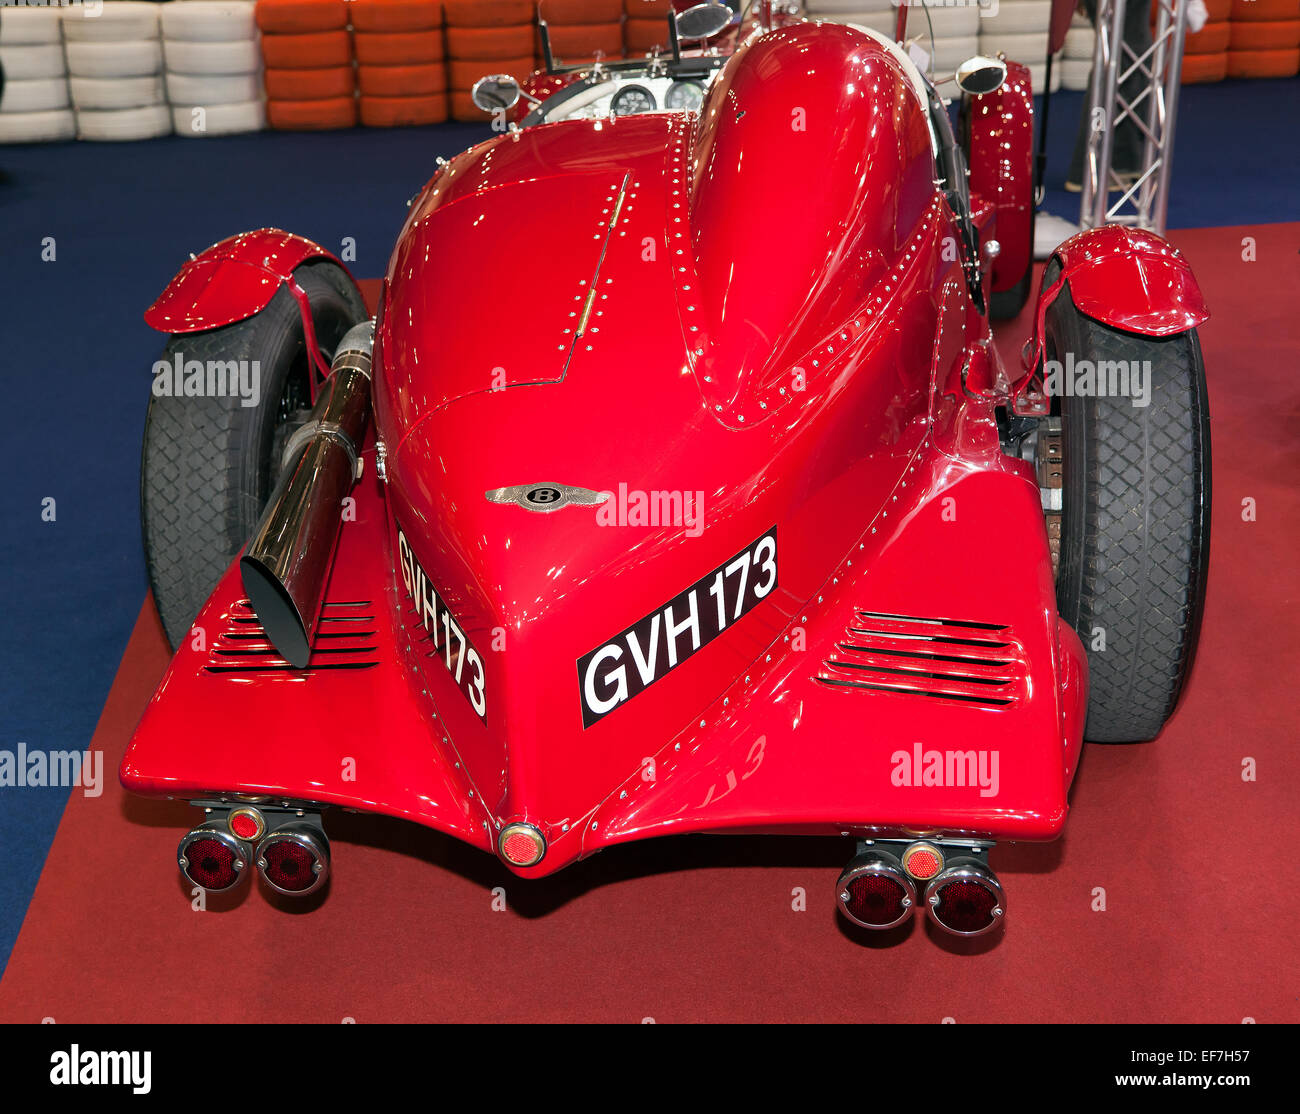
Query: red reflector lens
(876, 899)
(521, 845)
(289, 865)
(245, 825)
(519, 848)
(922, 862)
(965, 906)
(210, 864)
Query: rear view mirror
(703, 21)
(495, 92)
(980, 75)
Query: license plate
(652, 647)
(463, 662)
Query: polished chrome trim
(874, 862)
(565, 496)
(310, 430)
(305, 836)
(213, 829)
(966, 870)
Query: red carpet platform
(1199, 893)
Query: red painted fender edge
(1126, 278)
(1001, 158)
(231, 280)
(1131, 279)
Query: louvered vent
(344, 639)
(944, 659)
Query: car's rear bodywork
(782, 576)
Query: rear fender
(232, 280)
(999, 129)
(1126, 278)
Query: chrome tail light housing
(212, 858)
(965, 898)
(875, 892)
(294, 859)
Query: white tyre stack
(115, 59)
(879, 15)
(1019, 29)
(1076, 54)
(34, 107)
(955, 29)
(947, 32)
(214, 67)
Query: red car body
(761, 305)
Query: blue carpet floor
(76, 356)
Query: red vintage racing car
(728, 518)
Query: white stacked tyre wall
(879, 15)
(1076, 54)
(35, 106)
(214, 67)
(1019, 29)
(948, 33)
(115, 63)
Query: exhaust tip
(875, 892)
(276, 611)
(966, 899)
(211, 858)
(294, 859)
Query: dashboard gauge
(631, 100)
(685, 96)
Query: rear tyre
(1135, 522)
(208, 463)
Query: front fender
(231, 280)
(1126, 278)
(1131, 279)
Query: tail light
(294, 859)
(875, 892)
(965, 899)
(211, 858)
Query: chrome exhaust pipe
(286, 565)
(965, 898)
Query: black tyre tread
(341, 281)
(1138, 570)
(202, 484)
(1005, 304)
